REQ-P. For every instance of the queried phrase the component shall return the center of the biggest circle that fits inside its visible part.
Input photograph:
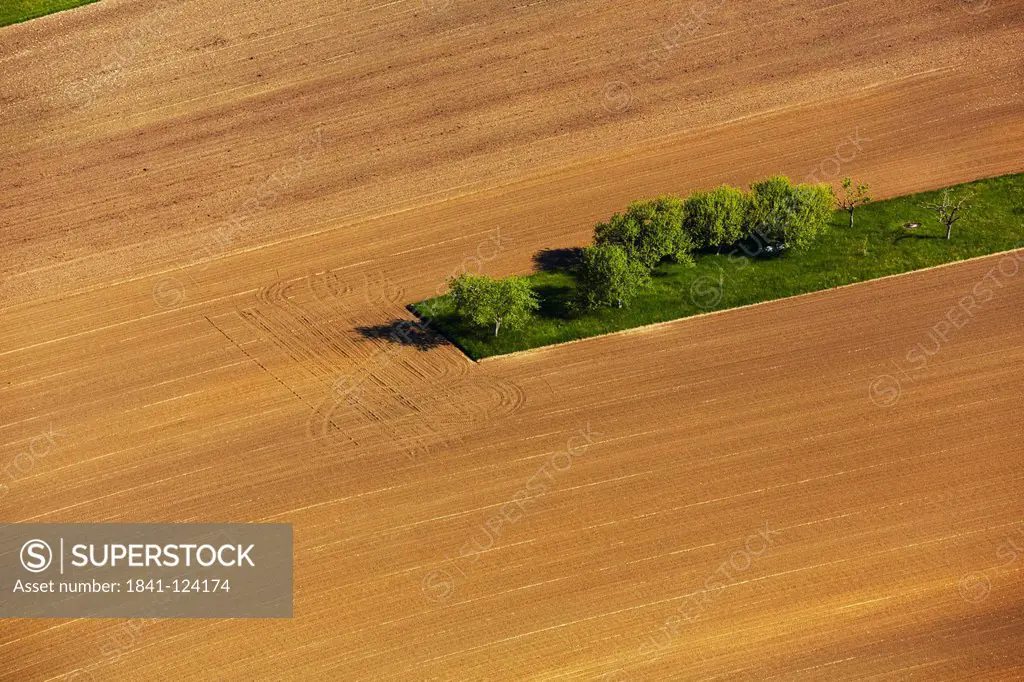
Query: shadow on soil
(557, 260)
(411, 333)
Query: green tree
(649, 232)
(716, 218)
(790, 214)
(852, 197)
(770, 207)
(812, 212)
(950, 210)
(484, 301)
(607, 277)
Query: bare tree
(852, 197)
(949, 210)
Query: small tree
(949, 210)
(649, 232)
(484, 301)
(852, 197)
(607, 277)
(716, 218)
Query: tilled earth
(215, 213)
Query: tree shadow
(757, 247)
(557, 260)
(555, 301)
(900, 236)
(412, 333)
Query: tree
(484, 301)
(790, 214)
(649, 232)
(607, 277)
(812, 213)
(852, 197)
(771, 202)
(716, 218)
(949, 210)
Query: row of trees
(627, 248)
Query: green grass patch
(877, 245)
(16, 11)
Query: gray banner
(107, 570)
